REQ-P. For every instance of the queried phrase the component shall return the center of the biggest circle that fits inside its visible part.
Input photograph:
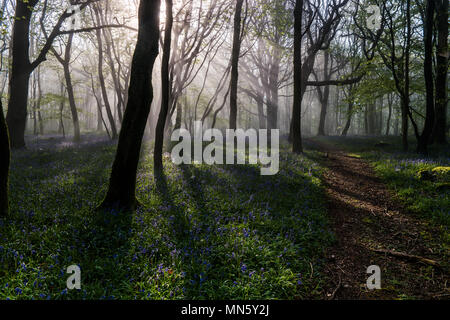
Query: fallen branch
(408, 257)
(333, 295)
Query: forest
(224, 150)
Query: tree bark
(5, 155)
(21, 69)
(442, 55)
(349, 119)
(102, 77)
(38, 103)
(121, 191)
(235, 63)
(297, 105)
(165, 90)
(390, 103)
(324, 96)
(422, 144)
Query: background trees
(304, 67)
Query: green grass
(205, 232)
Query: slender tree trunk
(261, 118)
(102, 77)
(324, 96)
(235, 64)
(4, 164)
(122, 185)
(70, 93)
(34, 94)
(165, 92)
(388, 123)
(349, 119)
(442, 56)
(38, 103)
(61, 128)
(72, 104)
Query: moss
(442, 173)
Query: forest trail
(366, 218)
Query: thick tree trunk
(422, 144)
(297, 105)
(122, 185)
(16, 117)
(405, 97)
(4, 164)
(235, 63)
(442, 55)
(165, 91)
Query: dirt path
(366, 218)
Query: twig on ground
(408, 257)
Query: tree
(320, 28)
(442, 55)
(4, 164)
(424, 138)
(22, 67)
(97, 11)
(235, 63)
(65, 62)
(121, 191)
(165, 85)
(297, 146)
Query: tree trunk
(70, 93)
(261, 118)
(324, 96)
(349, 119)
(102, 77)
(442, 55)
(235, 64)
(297, 105)
(72, 104)
(165, 90)
(422, 144)
(388, 123)
(122, 185)
(4, 164)
(38, 103)
(61, 128)
(16, 116)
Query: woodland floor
(226, 232)
(366, 217)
